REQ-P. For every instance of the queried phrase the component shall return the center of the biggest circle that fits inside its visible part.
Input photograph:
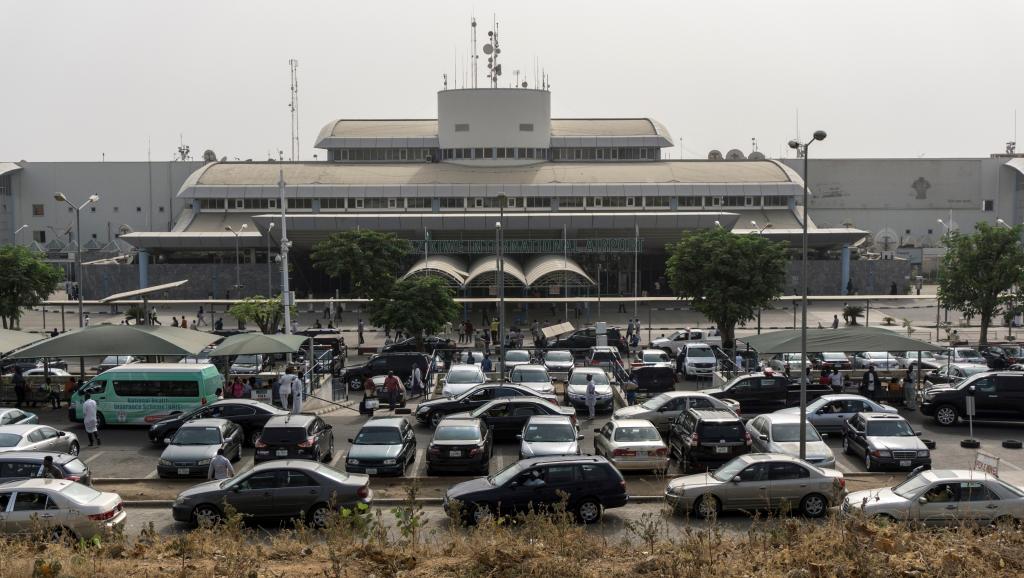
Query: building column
(143, 269)
(845, 266)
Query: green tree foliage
(727, 277)
(979, 270)
(417, 306)
(266, 313)
(27, 281)
(852, 312)
(370, 260)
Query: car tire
(62, 535)
(434, 419)
(814, 505)
(318, 516)
(74, 449)
(206, 514)
(1012, 444)
(588, 511)
(101, 421)
(707, 506)
(479, 512)
(867, 462)
(946, 415)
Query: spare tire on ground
(1012, 444)
(930, 444)
(970, 443)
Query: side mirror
(236, 488)
(167, 440)
(597, 431)
(922, 500)
(918, 434)
(61, 434)
(579, 438)
(736, 479)
(519, 437)
(763, 437)
(328, 427)
(351, 441)
(820, 411)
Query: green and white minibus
(143, 393)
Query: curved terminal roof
(549, 269)
(427, 127)
(449, 267)
(484, 271)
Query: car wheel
(946, 415)
(846, 446)
(479, 513)
(100, 420)
(868, 465)
(814, 505)
(355, 385)
(318, 516)
(62, 535)
(435, 419)
(206, 515)
(74, 448)
(588, 511)
(707, 506)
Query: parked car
(755, 481)
(24, 465)
(559, 360)
(882, 360)
(549, 435)
(589, 485)
(677, 339)
(462, 378)
(651, 357)
(63, 508)
(576, 389)
(829, 413)
(928, 360)
(995, 356)
(472, 357)
(195, 444)
(400, 363)
(430, 343)
(14, 416)
(515, 358)
(604, 357)
(295, 436)
(280, 489)
(941, 497)
(433, 411)
(759, 393)
(41, 372)
(535, 377)
(997, 395)
(586, 337)
(779, 433)
(631, 444)
(960, 355)
(703, 438)
(698, 360)
(382, 392)
(247, 365)
(829, 360)
(250, 414)
(662, 409)
(37, 438)
(779, 362)
(112, 361)
(885, 440)
(460, 445)
(26, 364)
(507, 416)
(384, 445)
(953, 373)
(653, 379)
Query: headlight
(676, 490)
(204, 462)
(164, 462)
(883, 453)
(352, 461)
(181, 500)
(922, 453)
(422, 409)
(390, 462)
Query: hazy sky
(883, 77)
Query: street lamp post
(78, 235)
(238, 273)
(760, 233)
(793, 144)
(270, 266)
(20, 229)
(500, 253)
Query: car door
(30, 509)
(664, 415)
(750, 492)
(298, 492)
(602, 437)
(243, 415)
(979, 503)
(1012, 391)
(855, 434)
(53, 441)
(832, 415)
(942, 505)
(498, 416)
(788, 484)
(744, 391)
(522, 410)
(756, 428)
(558, 479)
(36, 442)
(408, 442)
(989, 400)
(256, 494)
(233, 438)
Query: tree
(727, 277)
(370, 260)
(266, 313)
(852, 312)
(418, 306)
(136, 313)
(979, 270)
(27, 281)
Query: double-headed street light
(760, 230)
(60, 197)
(238, 276)
(20, 229)
(270, 259)
(803, 147)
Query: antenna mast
(472, 33)
(294, 107)
(493, 50)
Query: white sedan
(53, 372)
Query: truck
(759, 393)
(674, 342)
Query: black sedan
(460, 445)
(507, 416)
(252, 415)
(429, 344)
(384, 445)
(433, 411)
(295, 436)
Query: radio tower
(294, 106)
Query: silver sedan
(631, 444)
(828, 413)
(780, 433)
(37, 438)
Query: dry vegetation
(359, 544)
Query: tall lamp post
(270, 266)
(20, 229)
(760, 233)
(238, 274)
(500, 254)
(60, 197)
(286, 297)
(803, 147)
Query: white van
(698, 360)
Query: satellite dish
(715, 155)
(756, 156)
(887, 239)
(735, 155)
(524, 84)
(488, 48)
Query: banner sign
(543, 246)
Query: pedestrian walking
(739, 362)
(495, 325)
(836, 381)
(19, 387)
(486, 365)
(591, 397)
(237, 388)
(90, 420)
(835, 322)
(85, 322)
(220, 467)
(629, 329)
(284, 390)
(201, 316)
(391, 385)
(298, 394)
(247, 388)
(636, 326)
(53, 393)
(49, 471)
(630, 387)
(359, 329)
(871, 383)
(417, 380)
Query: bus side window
(94, 387)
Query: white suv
(698, 360)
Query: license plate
(282, 453)
(183, 471)
(371, 471)
(905, 463)
(721, 450)
(455, 454)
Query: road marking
(93, 457)
(419, 464)
(152, 475)
(245, 464)
(336, 457)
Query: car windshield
(517, 356)
(655, 402)
(507, 475)
(463, 376)
(197, 436)
(530, 375)
(378, 436)
(972, 369)
(889, 428)
(80, 493)
(730, 469)
(655, 357)
(636, 434)
(699, 352)
(549, 432)
(833, 357)
(246, 360)
(9, 440)
(451, 433)
(909, 488)
(558, 356)
(580, 378)
(879, 355)
(968, 353)
(790, 432)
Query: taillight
(839, 482)
(694, 440)
(73, 478)
(363, 491)
(106, 515)
(308, 443)
(661, 452)
(621, 452)
(595, 362)
(435, 451)
(747, 439)
(259, 443)
(475, 451)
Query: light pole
(286, 298)
(238, 274)
(793, 144)
(20, 229)
(78, 236)
(999, 222)
(270, 269)
(760, 233)
(500, 252)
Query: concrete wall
(869, 277)
(203, 279)
(494, 116)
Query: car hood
(815, 450)
(558, 365)
(897, 443)
(712, 391)
(189, 453)
(202, 489)
(374, 452)
(792, 411)
(660, 341)
(696, 483)
(582, 389)
(541, 386)
(875, 499)
(464, 490)
(633, 411)
(535, 449)
(700, 359)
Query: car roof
(782, 417)
(294, 464)
(536, 366)
(243, 401)
(765, 456)
(713, 414)
(517, 351)
(529, 399)
(697, 344)
(385, 422)
(881, 416)
(549, 419)
(451, 419)
(205, 422)
(37, 484)
(939, 475)
(290, 419)
(631, 422)
(165, 367)
(465, 366)
(58, 457)
(562, 459)
(843, 396)
(655, 351)
(589, 369)
(675, 393)
(20, 428)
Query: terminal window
(39, 236)
(38, 210)
(526, 127)
(462, 127)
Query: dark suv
(997, 395)
(589, 484)
(295, 437)
(400, 363)
(702, 438)
(587, 337)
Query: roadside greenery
(26, 282)
(417, 306)
(267, 314)
(368, 260)
(982, 272)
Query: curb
(376, 502)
